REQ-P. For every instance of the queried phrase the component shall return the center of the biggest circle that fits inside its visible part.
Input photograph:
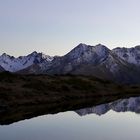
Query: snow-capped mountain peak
(12, 64)
(87, 52)
(6, 56)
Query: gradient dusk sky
(56, 26)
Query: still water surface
(119, 120)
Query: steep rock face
(12, 64)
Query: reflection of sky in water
(70, 126)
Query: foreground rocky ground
(26, 96)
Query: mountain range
(119, 64)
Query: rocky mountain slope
(1, 69)
(130, 55)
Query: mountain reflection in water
(100, 106)
(68, 125)
(122, 105)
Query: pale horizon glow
(55, 27)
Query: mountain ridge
(118, 64)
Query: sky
(57, 26)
